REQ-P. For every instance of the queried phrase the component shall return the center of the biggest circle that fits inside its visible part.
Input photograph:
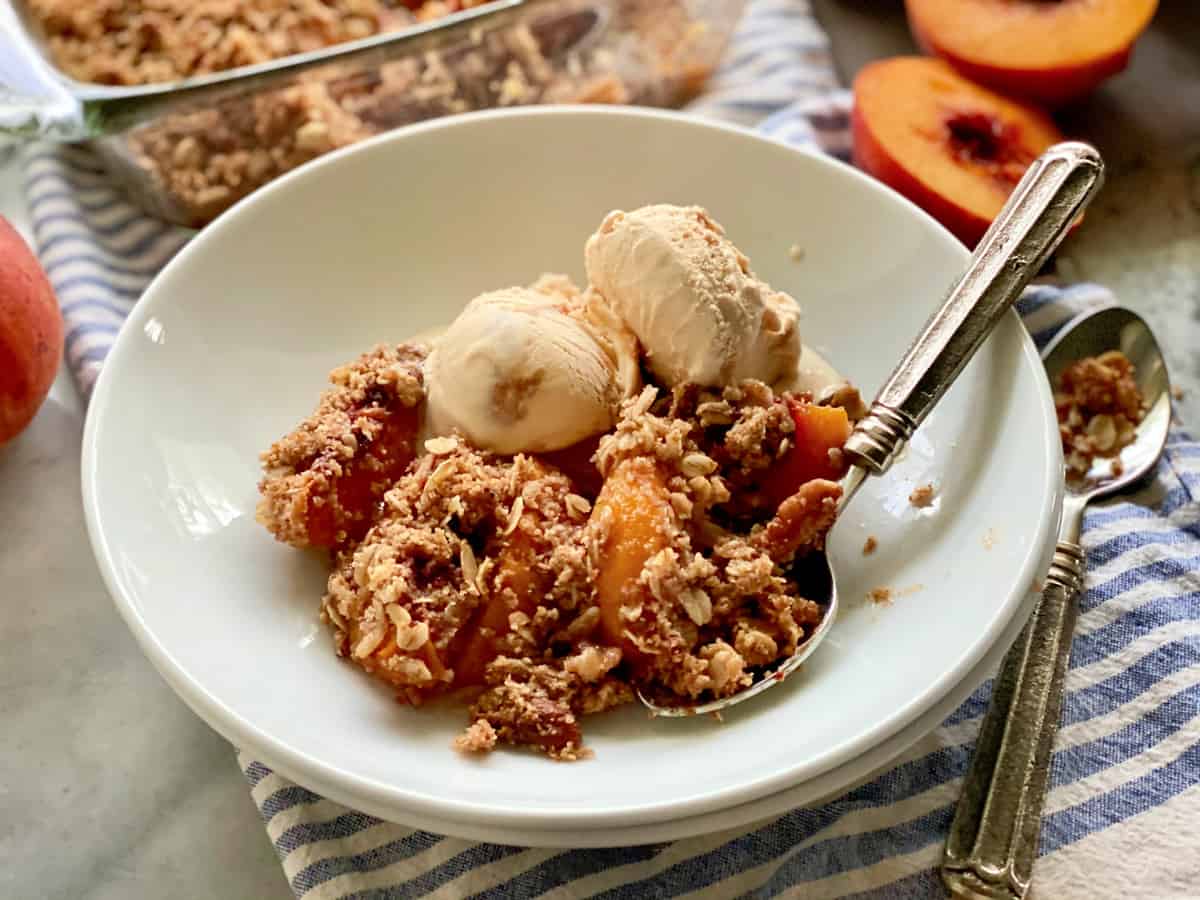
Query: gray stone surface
(110, 788)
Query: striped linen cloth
(1125, 789)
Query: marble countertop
(111, 788)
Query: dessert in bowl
(620, 488)
(233, 344)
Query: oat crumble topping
(1099, 407)
(713, 601)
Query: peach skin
(31, 334)
(1045, 52)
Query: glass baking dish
(188, 149)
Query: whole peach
(31, 333)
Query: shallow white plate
(230, 346)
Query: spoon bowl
(1096, 332)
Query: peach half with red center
(955, 149)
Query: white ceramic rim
(386, 799)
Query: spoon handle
(993, 840)
(1048, 199)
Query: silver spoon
(994, 838)
(1049, 198)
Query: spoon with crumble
(1050, 197)
(994, 837)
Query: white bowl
(231, 344)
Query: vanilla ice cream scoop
(521, 371)
(688, 294)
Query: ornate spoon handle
(994, 837)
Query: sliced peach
(1046, 51)
(634, 520)
(516, 588)
(955, 149)
(819, 429)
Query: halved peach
(634, 520)
(1045, 51)
(955, 149)
(819, 429)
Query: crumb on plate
(1099, 407)
(922, 496)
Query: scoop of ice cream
(521, 371)
(690, 297)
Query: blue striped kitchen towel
(1125, 791)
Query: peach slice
(517, 588)
(819, 430)
(1046, 51)
(635, 520)
(955, 149)
(324, 480)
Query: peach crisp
(660, 553)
